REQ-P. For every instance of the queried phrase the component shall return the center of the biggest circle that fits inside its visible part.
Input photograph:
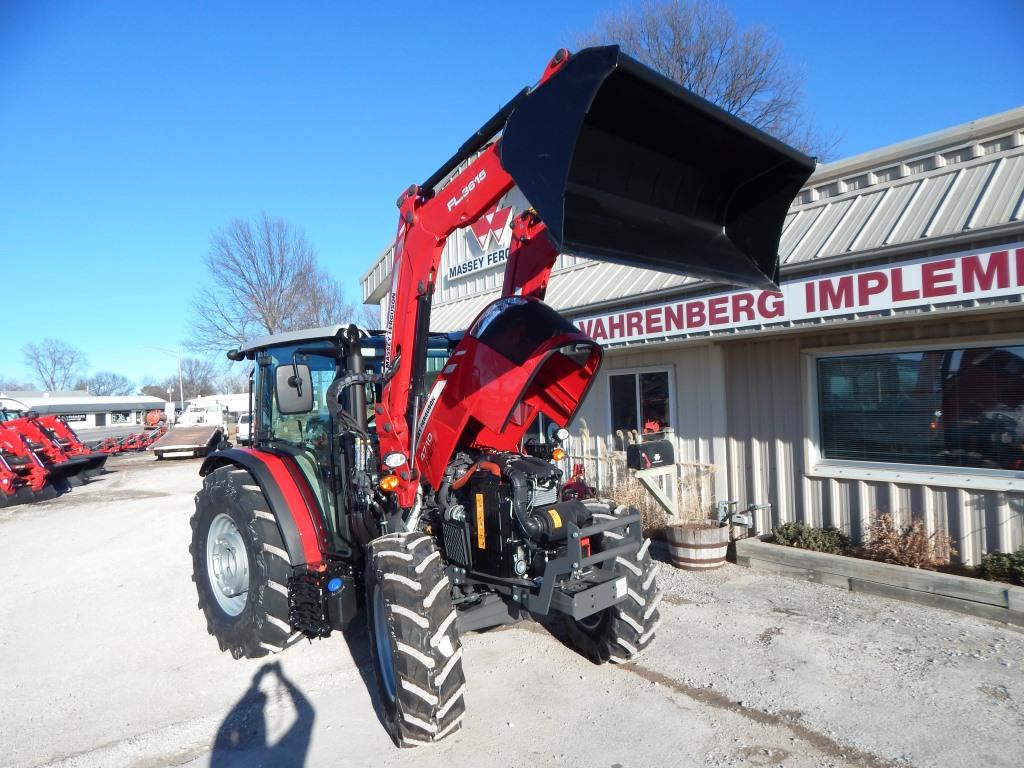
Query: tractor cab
(296, 403)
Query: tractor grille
(456, 543)
(542, 496)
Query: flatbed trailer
(188, 441)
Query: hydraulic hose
(521, 503)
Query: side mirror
(294, 389)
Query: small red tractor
(426, 508)
(59, 460)
(23, 477)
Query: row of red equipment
(133, 442)
(42, 457)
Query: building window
(640, 402)
(956, 407)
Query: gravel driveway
(105, 661)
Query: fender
(299, 523)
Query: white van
(203, 415)
(243, 432)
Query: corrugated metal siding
(796, 231)
(969, 185)
(928, 194)
(765, 426)
(877, 229)
(853, 222)
(1004, 196)
(765, 392)
(944, 193)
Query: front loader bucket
(624, 165)
(72, 467)
(95, 464)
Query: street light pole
(181, 387)
(177, 354)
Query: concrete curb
(987, 599)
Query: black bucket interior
(624, 165)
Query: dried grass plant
(694, 497)
(909, 545)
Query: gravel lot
(105, 661)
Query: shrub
(1004, 566)
(629, 492)
(910, 545)
(692, 504)
(829, 540)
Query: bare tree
(13, 385)
(367, 316)
(159, 389)
(233, 379)
(197, 377)
(698, 44)
(106, 383)
(265, 278)
(55, 362)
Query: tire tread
(430, 682)
(263, 625)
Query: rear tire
(240, 566)
(624, 631)
(417, 656)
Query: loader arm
(426, 221)
(618, 164)
(424, 228)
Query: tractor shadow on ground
(243, 738)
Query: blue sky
(129, 131)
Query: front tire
(625, 630)
(416, 650)
(240, 566)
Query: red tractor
(23, 476)
(66, 459)
(425, 508)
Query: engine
(504, 517)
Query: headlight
(394, 460)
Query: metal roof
(943, 189)
(43, 404)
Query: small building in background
(82, 410)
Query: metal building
(82, 410)
(887, 374)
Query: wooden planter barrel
(697, 546)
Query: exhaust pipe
(624, 165)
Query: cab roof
(249, 348)
(329, 333)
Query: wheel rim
(382, 638)
(591, 622)
(227, 565)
